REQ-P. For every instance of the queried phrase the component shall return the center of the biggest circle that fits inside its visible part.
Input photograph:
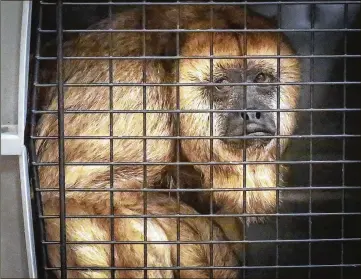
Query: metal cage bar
(309, 161)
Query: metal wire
(208, 215)
(283, 188)
(253, 30)
(111, 144)
(42, 260)
(278, 148)
(210, 242)
(199, 163)
(310, 162)
(209, 84)
(145, 184)
(310, 175)
(211, 150)
(155, 57)
(178, 142)
(61, 164)
(201, 110)
(244, 155)
(345, 16)
(186, 3)
(210, 268)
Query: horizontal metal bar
(197, 3)
(206, 267)
(155, 57)
(207, 190)
(340, 136)
(274, 30)
(175, 84)
(198, 110)
(208, 241)
(280, 162)
(241, 215)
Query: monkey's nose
(258, 122)
(251, 116)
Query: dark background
(330, 176)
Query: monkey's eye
(222, 80)
(262, 77)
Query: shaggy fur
(129, 149)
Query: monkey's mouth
(258, 136)
(254, 136)
(260, 130)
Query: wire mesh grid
(125, 201)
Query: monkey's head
(247, 95)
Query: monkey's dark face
(245, 94)
(248, 97)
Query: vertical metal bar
(27, 216)
(178, 147)
(211, 50)
(60, 81)
(244, 155)
(39, 212)
(111, 147)
(145, 196)
(279, 21)
(312, 65)
(35, 175)
(343, 139)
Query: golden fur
(125, 150)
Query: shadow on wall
(330, 199)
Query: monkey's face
(249, 109)
(245, 93)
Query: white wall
(13, 249)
